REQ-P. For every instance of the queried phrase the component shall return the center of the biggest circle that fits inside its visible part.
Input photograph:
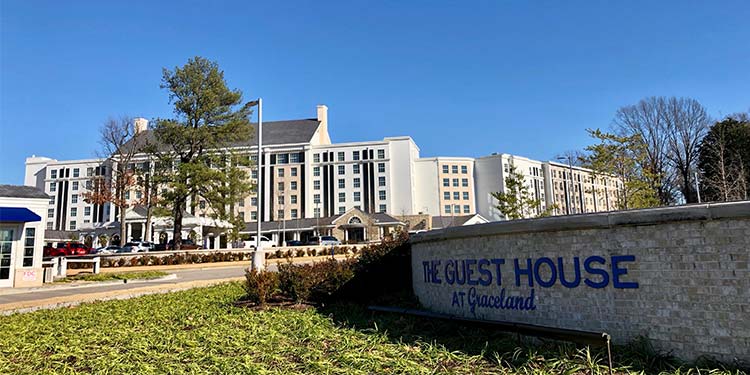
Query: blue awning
(17, 215)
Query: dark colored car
(187, 244)
(295, 243)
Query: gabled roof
(455, 221)
(308, 223)
(274, 133)
(17, 191)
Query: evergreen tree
(724, 160)
(517, 201)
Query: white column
(143, 232)
(128, 233)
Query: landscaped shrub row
(311, 252)
(320, 281)
(166, 260)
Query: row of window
(342, 209)
(356, 196)
(340, 156)
(456, 195)
(77, 172)
(73, 212)
(447, 182)
(454, 169)
(280, 172)
(456, 209)
(356, 169)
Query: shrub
(260, 286)
(300, 253)
(296, 281)
(329, 276)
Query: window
(138, 194)
(447, 208)
(294, 157)
(293, 199)
(465, 182)
(281, 172)
(316, 198)
(50, 212)
(254, 201)
(280, 199)
(316, 185)
(49, 225)
(342, 183)
(28, 247)
(280, 214)
(75, 185)
(466, 195)
(294, 172)
(446, 182)
(76, 172)
(294, 213)
(281, 186)
(293, 185)
(455, 182)
(89, 172)
(316, 212)
(381, 208)
(456, 195)
(53, 173)
(356, 182)
(52, 187)
(253, 215)
(72, 225)
(282, 159)
(52, 200)
(356, 196)
(445, 169)
(381, 167)
(342, 209)
(466, 209)
(86, 221)
(340, 156)
(87, 211)
(381, 154)
(88, 184)
(316, 171)
(254, 174)
(355, 155)
(342, 197)
(356, 168)
(127, 195)
(316, 158)
(342, 169)
(446, 195)
(202, 204)
(464, 169)
(454, 169)
(358, 207)
(456, 209)
(381, 195)
(74, 198)
(381, 181)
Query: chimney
(324, 139)
(140, 124)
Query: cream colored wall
(460, 188)
(27, 276)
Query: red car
(66, 249)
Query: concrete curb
(83, 285)
(74, 300)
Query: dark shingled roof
(274, 133)
(449, 221)
(16, 191)
(51, 235)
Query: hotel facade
(306, 176)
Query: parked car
(324, 241)
(139, 246)
(67, 249)
(295, 243)
(264, 242)
(186, 244)
(106, 250)
(127, 249)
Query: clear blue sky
(462, 78)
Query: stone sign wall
(679, 275)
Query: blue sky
(462, 78)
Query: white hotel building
(306, 176)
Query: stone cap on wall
(649, 216)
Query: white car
(138, 246)
(264, 242)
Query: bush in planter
(296, 281)
(311, 252)
(300, 253)
(260, 286)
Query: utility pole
(259, 258)
(697, 187)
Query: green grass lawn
(200, 331)
(138, 275)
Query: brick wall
(679, 276)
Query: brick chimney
(140, 125)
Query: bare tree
(119, 144)
(687, 123)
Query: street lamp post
(258, 256)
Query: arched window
(355, 220)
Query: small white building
(22, 225)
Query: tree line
(182, 160)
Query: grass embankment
(201, 331)
(145, 275)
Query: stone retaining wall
(678, 275)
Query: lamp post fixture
(259, 259)
(570, 186)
